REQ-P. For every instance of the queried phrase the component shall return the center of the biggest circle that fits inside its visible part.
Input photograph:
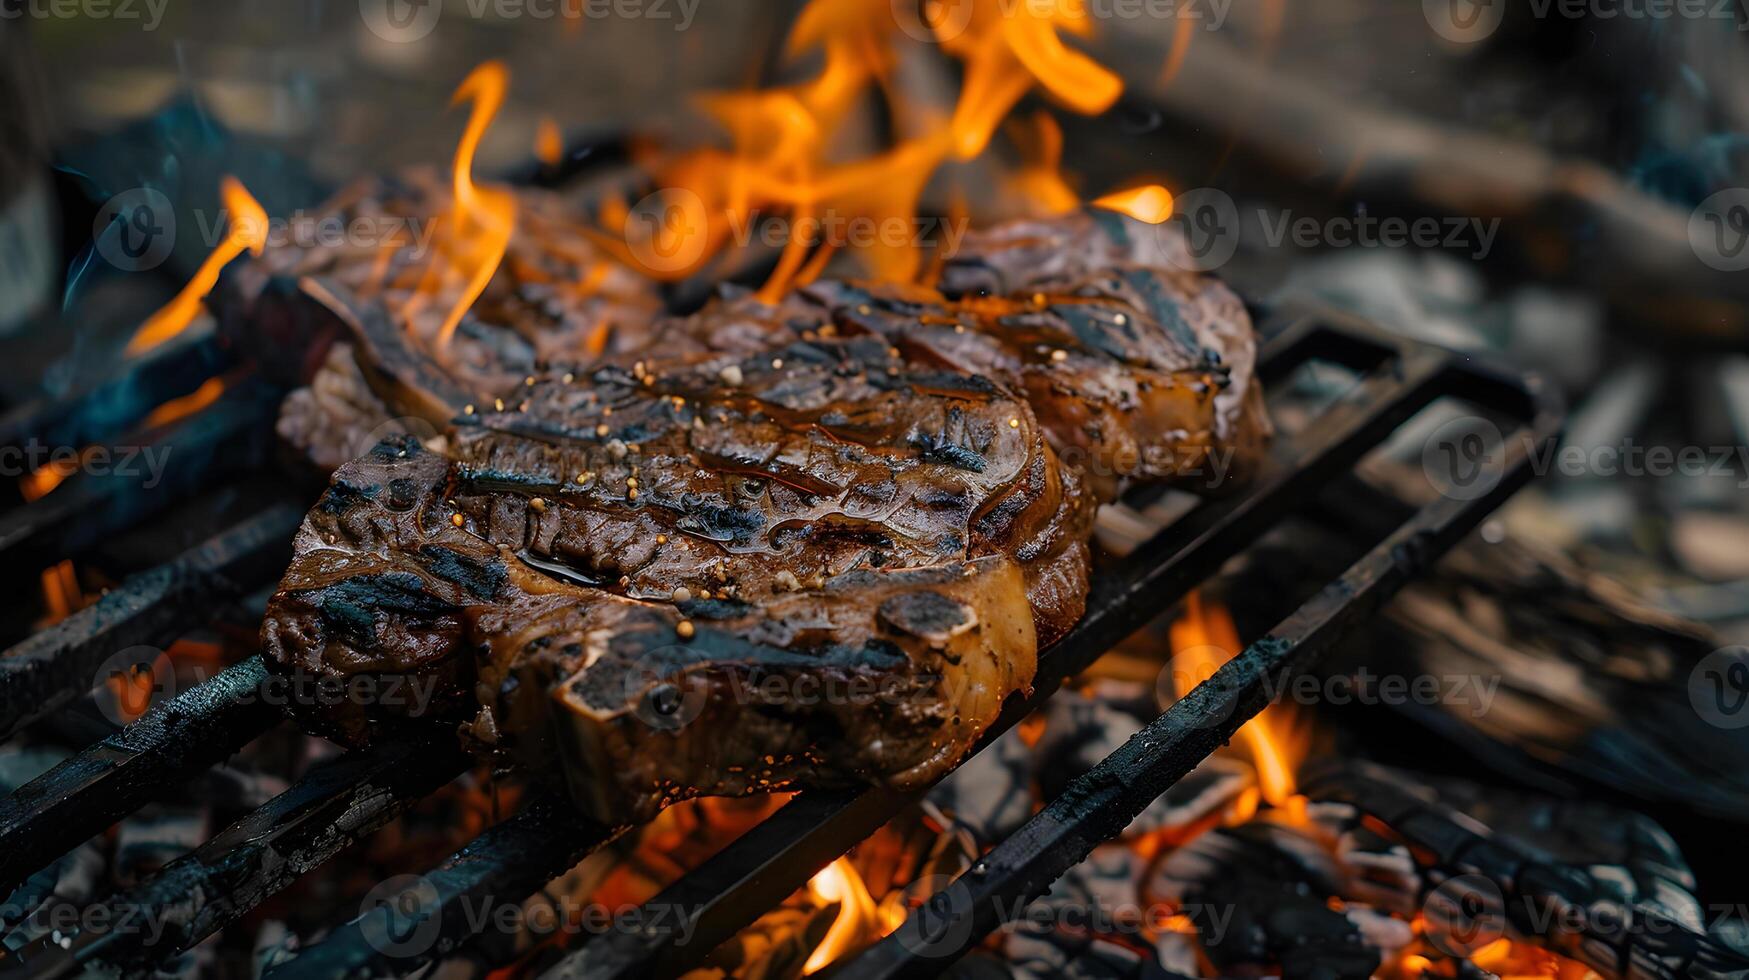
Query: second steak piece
(1138, 370)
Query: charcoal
(1277, 900)
(1522, 890)
(1209, 789)
(991, 793)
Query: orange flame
(42, 481)
(247, 231)
(181, 408)
(1150, 203)
(1204, 639)
(485, 217)
(839, 882)
(1039, 180)
(779, 161)
(549, 144)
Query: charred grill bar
(338, 804)
(58, 664)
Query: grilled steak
(649, 572)
(819, 511)
(555, 297)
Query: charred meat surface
(822, 514)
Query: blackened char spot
(714, 610)
(719, 523)
(1163, 307)
(924, 614)
(343, 495)
(1095, 327)
(938, 448)
(482, 579)
(351, 607)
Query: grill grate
(337, 804)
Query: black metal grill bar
(513, 859)
(207, 889)
(1098, 805)
(108, 409)
(58, 664)
(85, 794)
(757, 871)
(229, 437)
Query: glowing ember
(839, 882)
(62, 595)
(1151, 203)
(41, 482)
(247, 231)
(485, 217)
(1201, 641)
